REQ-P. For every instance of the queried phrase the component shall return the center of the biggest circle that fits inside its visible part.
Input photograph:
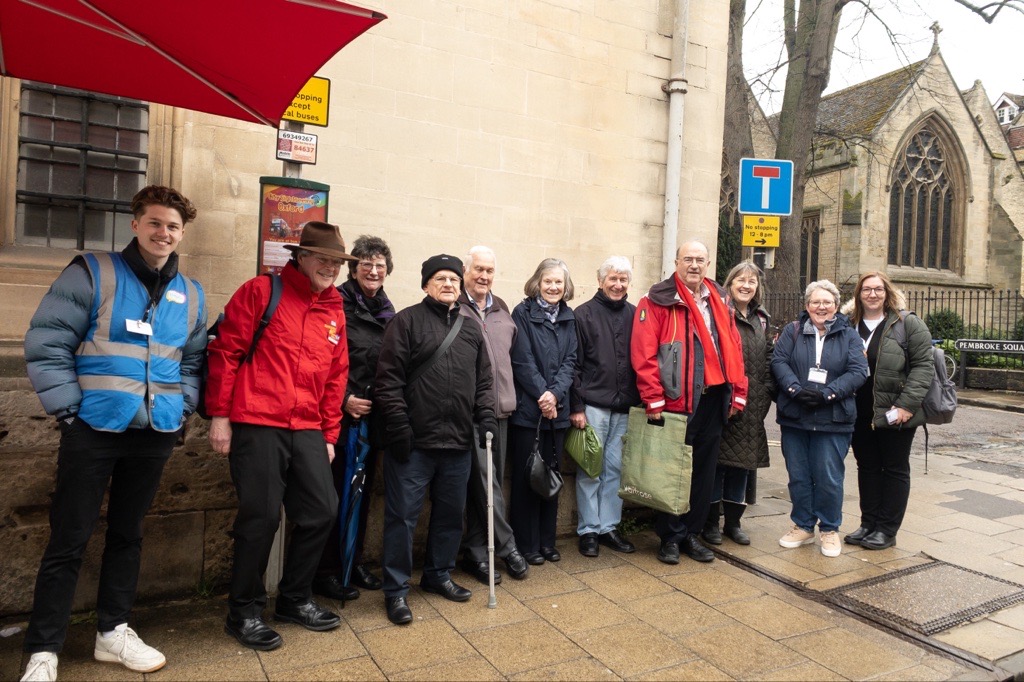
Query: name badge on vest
(139, 327)
(816, 375)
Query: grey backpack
(940, 402)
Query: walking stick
(492, 601)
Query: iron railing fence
(950, 314)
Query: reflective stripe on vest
(117, 369)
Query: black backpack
(211, 334)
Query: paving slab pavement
(757, 612)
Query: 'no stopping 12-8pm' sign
(766, 187)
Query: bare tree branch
(989, 11)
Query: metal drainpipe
(675, 87)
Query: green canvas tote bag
(656, 463)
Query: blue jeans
(445, 474)
(815, 462)
(730, 485)
(597, 499)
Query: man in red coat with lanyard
(278, 416)
(688, 359)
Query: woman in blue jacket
(543, 363)
(818, 364)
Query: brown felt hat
(321, 238)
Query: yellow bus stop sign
(761, 231)
(310, 105)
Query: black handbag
(545, 478)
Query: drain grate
(928, 598)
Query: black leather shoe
(309, 615)
(615, 541)
(550, 553)
(737, 535)
(362, 577)
(692, 548)
(399, 612)
(516, 565)
(332, 588)
(448, 589)
(668, 553)
(533, 558)
(856, 536)
(479, 570)
(712, 535)
(252, 633)
(588, 545)
(878, 540)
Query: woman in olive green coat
(744, 445)
(899, 352)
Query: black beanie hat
(440, 262)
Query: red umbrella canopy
(246, 59)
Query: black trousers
(132, 463)
(704, 434)
(271, 466)
(533, 519)
(474, 544)
(883, 475)
(445, 473)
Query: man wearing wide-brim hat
(277, 415)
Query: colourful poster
(284, 210)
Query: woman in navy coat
(543, 362)
(818, 364)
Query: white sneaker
(830, 545)
(796, 536)
(125, 647)
(42, 667)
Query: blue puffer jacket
(842, 356)
(543, 359)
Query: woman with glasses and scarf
(818, 363)
(899, 354)
(367, 311)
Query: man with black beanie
(434, 382)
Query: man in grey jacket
(113, 352)
(484, 308)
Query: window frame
(948, 234)
(81, 202)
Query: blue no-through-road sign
(766, 187)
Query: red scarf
(728, 341)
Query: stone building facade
(537, 127)
(913, 177)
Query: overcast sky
(972, 48)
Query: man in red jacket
(278, 415)
(688, 359)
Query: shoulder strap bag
(445, 345)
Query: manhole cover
(928, 598)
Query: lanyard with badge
(817, 375)
(141, 326)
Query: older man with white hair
(478, 303)
(603, 390)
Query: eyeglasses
(821, 304)
(877, 291)
(325, 261)
(367, 265)
(441, 280)
(699, 260)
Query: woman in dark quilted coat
(744, 445)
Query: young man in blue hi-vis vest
(114, 352)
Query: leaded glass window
(923, 205)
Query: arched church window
(925, 204)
